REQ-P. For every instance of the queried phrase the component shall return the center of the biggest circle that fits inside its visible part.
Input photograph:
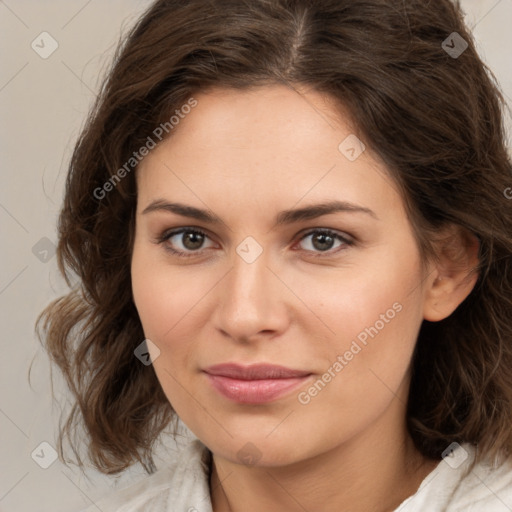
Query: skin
(245, 156)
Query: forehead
(266, 116)
(269, 143)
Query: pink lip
(254, 384)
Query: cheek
(165, 297)
(374, 314)
(374, 360)
(366, 365)
(165, 303)
(168, 304)
(378, 298)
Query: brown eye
(192, 240)
(322, 241)
(183, 242)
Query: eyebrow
(283, 217)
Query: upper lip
(254, 371)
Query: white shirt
(184, 487)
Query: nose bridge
(249, 278)
(249, 296)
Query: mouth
(254, 384)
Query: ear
(454, 275)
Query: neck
(362, 474)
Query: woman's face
(261, 286)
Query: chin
(257, 450)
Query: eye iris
(195, 238)
(323, 237)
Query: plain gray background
(44, 102)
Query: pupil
(190, 236)
(323, 236)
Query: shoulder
(488, 488)
(451, 487)
(183, 487)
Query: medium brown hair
(436, 121)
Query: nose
(251, 301)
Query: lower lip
(254, 391)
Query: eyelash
(167, 235)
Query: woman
(290, 228)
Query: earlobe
(446, 294)
(453, 278)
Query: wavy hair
(434, 118)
